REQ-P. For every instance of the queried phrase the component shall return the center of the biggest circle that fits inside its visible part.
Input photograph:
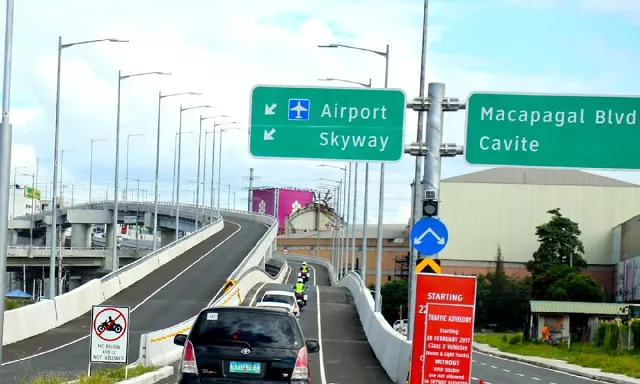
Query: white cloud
(222, 50)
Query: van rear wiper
(233, 342)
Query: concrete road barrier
(391, 348)
(38, 318)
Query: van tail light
(189, 359)
(301, 369)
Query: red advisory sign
(443, 329)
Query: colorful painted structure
(283, 201)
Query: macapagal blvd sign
(353, 124)
(566, 131)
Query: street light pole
(126, 172)
(137, 210)
(56, 145)
(62, 168)
(157, 175)
(114, 248)
(178, 170)
(91, 166)
(384, 54)
(366, 85)
(205, 166)
(222, 130)
(36, 182)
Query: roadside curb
(150, 377)
(561, 366)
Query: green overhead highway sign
(354, 124)
(564, 131)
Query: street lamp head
(117, 41)
(328, 45)
(161, 73)
(212, 117)
(327, 79)
(135, 134)
(182, 109)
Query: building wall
(482, 215)
(20, 205)
(288, 201)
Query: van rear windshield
(278, 299)
(259, 330)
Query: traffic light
(430, 208)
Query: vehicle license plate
(244, 367)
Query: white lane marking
(314, 274)
(288, 274)
(215, 297)
(134, 308)
(536, 367)
(535, 378)
(323, 379)
(255, 295)
(506, 370)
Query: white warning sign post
(109, 334)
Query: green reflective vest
(299, 287)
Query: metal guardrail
(63, 248)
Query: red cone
(481, 382)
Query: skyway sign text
(566, 131)
(354, 124)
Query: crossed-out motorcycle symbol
(109, 325)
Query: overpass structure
(80, 219)
(230, 261)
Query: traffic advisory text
(546, 118)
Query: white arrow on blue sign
(429, 236)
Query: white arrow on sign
(268, 135)
(418, 240)
(268, 109)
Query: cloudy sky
(223, 48)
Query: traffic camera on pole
(430, 204)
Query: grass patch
(10, 304)
(103, 376)
(585, 355)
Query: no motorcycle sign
(109, 334)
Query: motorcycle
(301, 299)
(304, 276)
(117, 328)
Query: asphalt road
(65, 350)
(346, 355)
(494, 370)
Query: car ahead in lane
(283, 299)
(245, 345)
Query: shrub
(515, 339)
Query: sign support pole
(430, 181)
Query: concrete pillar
(48, 236)
(74, 282)
(108, 259)
(159, 238)
(13, 237)
(80, 235)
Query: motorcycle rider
(304, 268)
(299, 288)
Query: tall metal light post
(33, 196)
(343, 241)
(222, 130)
(385, 54)
(56, 145)
(366, 85)
(182, 109)
(91, 167)
(363, 269)
(36, 182)
(137, 209)
(157, 175)
(213, 161)
(338, 189)
(62, 168)
(126, 172)
(5, 155)
(116, 177)
(203, 176)
(175, 164)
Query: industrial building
(503, 206)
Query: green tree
(560, 243)
(394, 297)
(564, 283)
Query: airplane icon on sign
(299, 109)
